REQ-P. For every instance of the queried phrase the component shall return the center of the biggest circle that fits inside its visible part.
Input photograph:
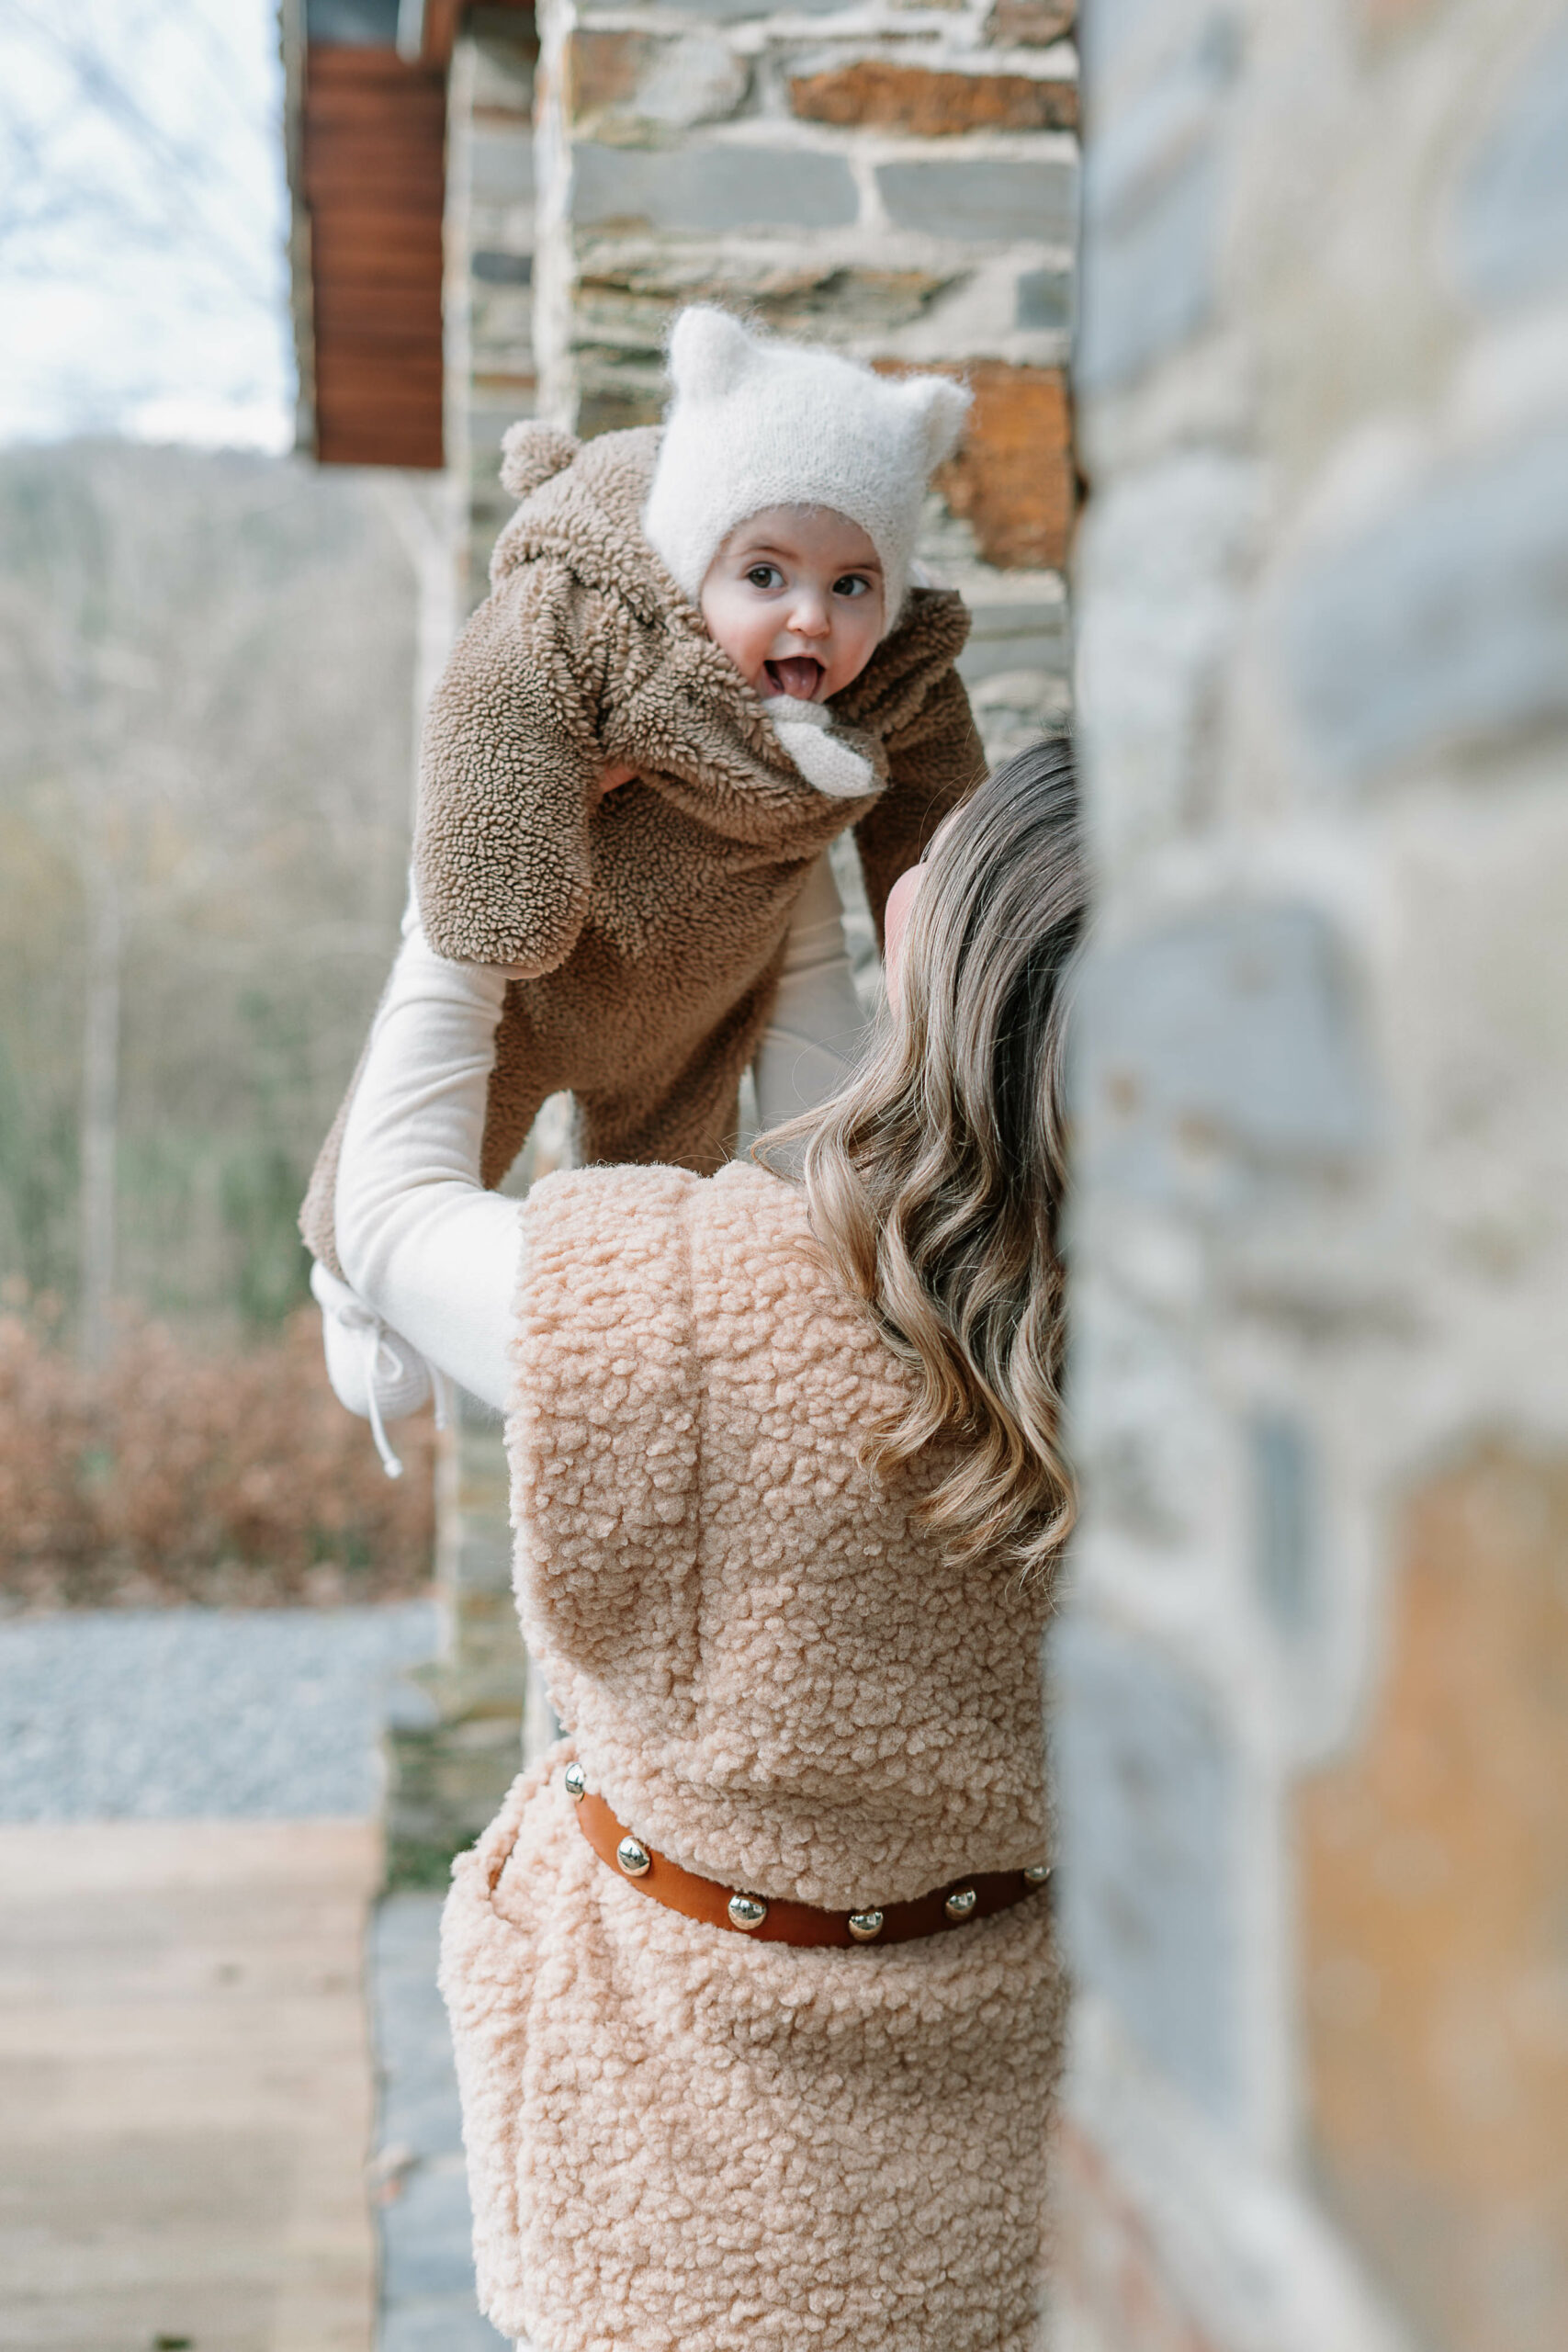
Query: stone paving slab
(185, 2086)
(427, 2280)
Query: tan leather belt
(792, 1923)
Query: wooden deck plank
(186, 2091)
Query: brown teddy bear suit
(644, 929)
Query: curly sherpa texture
(679, 2140)
(646, 928)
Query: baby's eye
(765, 575)
(851, 583)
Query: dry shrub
(178, 1475)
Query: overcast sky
(143, 215)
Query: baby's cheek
(734, 639)
(854, 654)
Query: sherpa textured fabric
(679, 2140)
(647, 928)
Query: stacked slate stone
(488, 295)
(1312, 1725)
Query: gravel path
(188, 1714)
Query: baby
(703, 657)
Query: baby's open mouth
(798, 675)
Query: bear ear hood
(581, 507)
(531, 454)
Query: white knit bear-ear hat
(756, 422)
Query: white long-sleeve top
(428, 1253)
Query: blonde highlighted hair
(935, 1181)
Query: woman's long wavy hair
(934, 1182)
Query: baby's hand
(613, 779)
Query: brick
(1443, 625)
(616, 408)
(1433, 1890)
(1152, 197)
(646, 285)
(712, 188)
(1161, 560)
(627, 78)
(503, 269)
(1014, 635)
(1144, 1442)
(729, 12)
(1284, 1548)
(1146, 1779)
(1030, 24)
(993, 200)
(1511, 221)
(1150, 281)
(873, 93)
(1045, 300)
(1220, 1054)
(1110, 2284)
(501, 166)
(1014, 481)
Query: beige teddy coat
(646, 928)
(680, 2140)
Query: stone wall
(489, 294)
(898, 180)
(1314, 1680)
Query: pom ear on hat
(710, 352)
(944, 408)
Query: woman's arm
(423, 1245)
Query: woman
(752, 1983)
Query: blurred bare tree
(205, 715)
(144, 219)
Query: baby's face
(796, 598)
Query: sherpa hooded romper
(645, 931)
(680, 2140)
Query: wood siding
(373, 173)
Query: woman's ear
(942, 408)
(709, 352)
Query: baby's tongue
(797, 676)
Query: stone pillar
(898, 181)
(482, 1707)
(1312, 1728)
(488, 293)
